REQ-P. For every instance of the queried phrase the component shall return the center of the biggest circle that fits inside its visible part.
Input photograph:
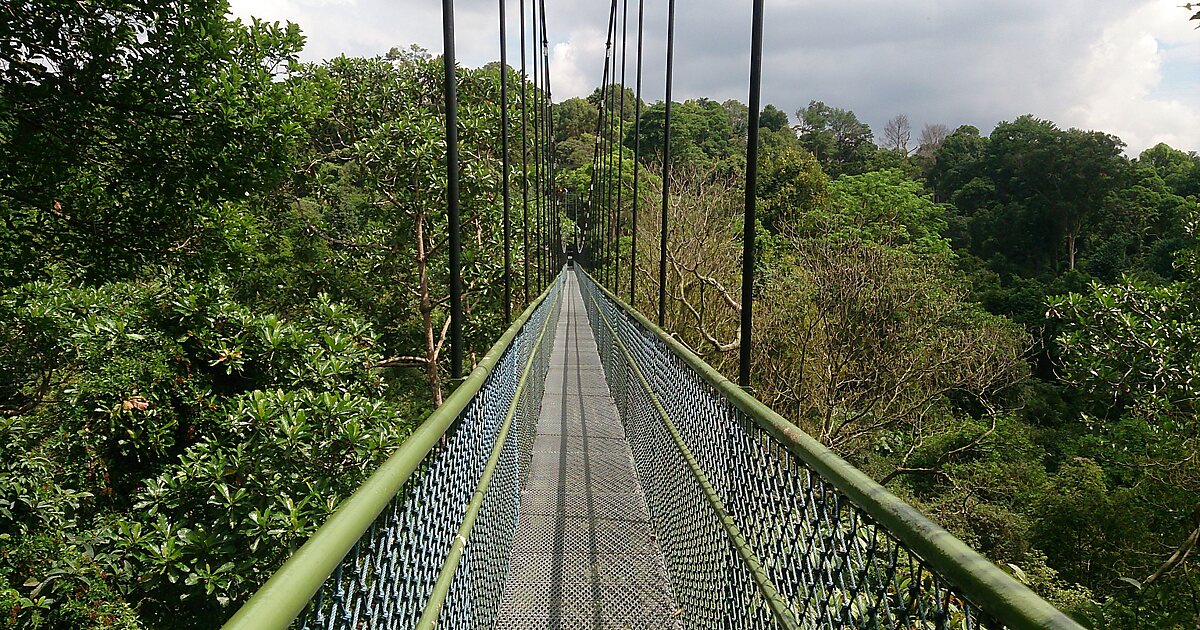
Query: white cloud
(571, 63)
(1118, 88)
(1128, 67)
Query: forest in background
(223, 302)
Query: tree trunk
(1071, 241)
(431, 349)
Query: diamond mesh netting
(752, 536)
(388, 577)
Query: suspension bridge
(593, 472)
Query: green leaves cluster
(178, 430)
(216, 269)
(123, 123)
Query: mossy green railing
(753, 507)
(396, 553)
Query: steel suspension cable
(524, 158)
(637, 155)
(748, 222)
(455, 242)
(666, 169)
(608, 135)
(603, 161)
(610, 122)
(537, 155)
(551, 188)
(595, 221)
(621, 141)
(605, 179)
(505, 160)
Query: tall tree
(1063, 177)
(932, 136)
(839, 141)
(897, 133)
(773, 118)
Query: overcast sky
(1127, 67)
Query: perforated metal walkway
(585, 554)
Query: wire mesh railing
(426, 540)
(762, 527)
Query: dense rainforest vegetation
(223, 302)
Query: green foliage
(618, 98)
(701, 133)
(180, 430)
(1032, 194)
(124, 122)
(881, 207)
(839, 141)
(867, 340)
(208, 253)
(1079, 518)
(575, 118)
(790, 182)
(773, 118)
(275, 466)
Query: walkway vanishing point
(585, 554)
(592, 472)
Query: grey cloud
(940, 61)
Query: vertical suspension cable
(605, 114)
(637, 156)
(608, 135)
(537, 156)
(601, 161)
(666, 170)
(551, 188)
(748, 223)
(505, 165)
(609, 123)
(524, 158)
(621, 135)
(595, 219)
(621, 144)
(451, 94)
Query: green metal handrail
(975, 577)
(778, 607)
(284, 596)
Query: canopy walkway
(592, 472)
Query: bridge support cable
(621, 136)
(551, 184)
(609, 114)
(666, 169)
(746, 328)
(602, 174)
(505, 184)
(377, 561)
(613, 166)
(754, 508)
(596, 214)
(524, 158)
(615, 161)
(537, 152)
(455, 236)
(637, 155)
(609, 119)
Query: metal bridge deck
(585, 554)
